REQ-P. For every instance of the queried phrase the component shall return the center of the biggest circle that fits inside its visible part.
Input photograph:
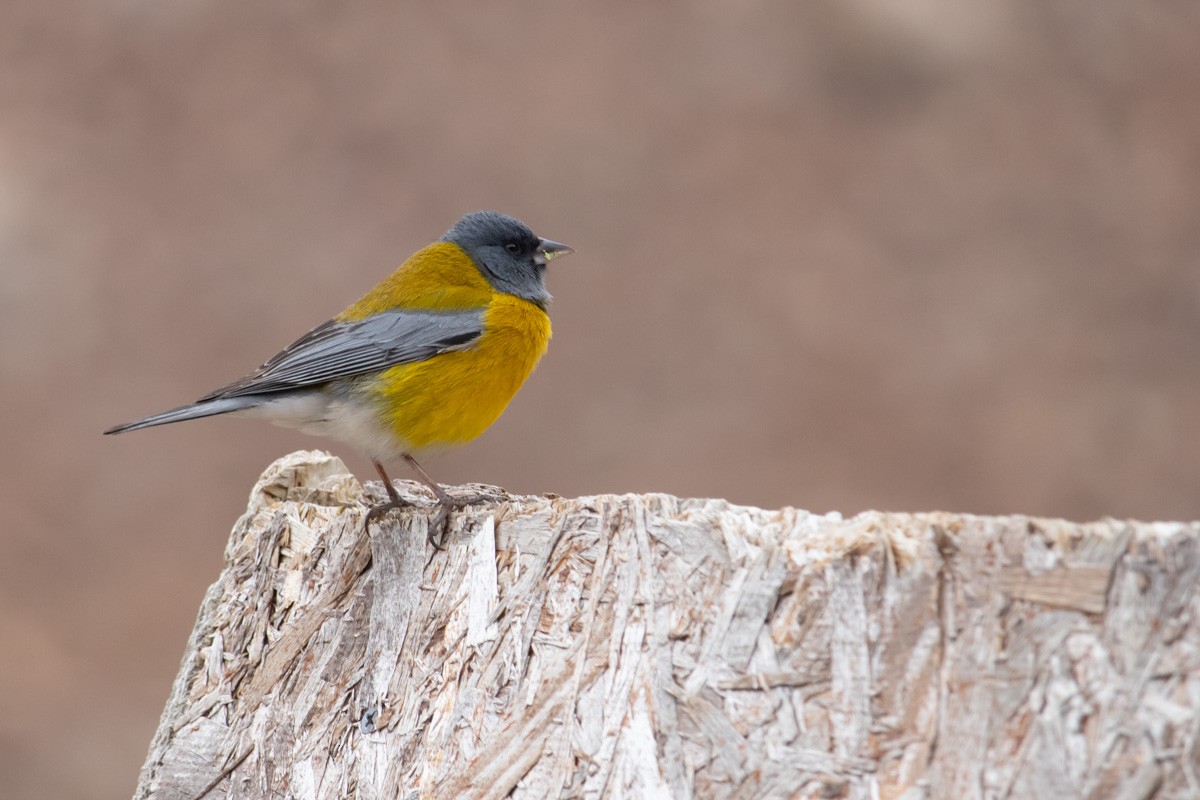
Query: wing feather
(344, 349)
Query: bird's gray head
(510, 256)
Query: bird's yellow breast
(452, 398)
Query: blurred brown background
(839, 255)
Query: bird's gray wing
(344, 349)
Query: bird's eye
(513, 248)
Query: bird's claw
(380, 510)
(439, 526)
(439, 529)
(478, 499)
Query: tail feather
(206, 408)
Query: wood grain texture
(646, 646)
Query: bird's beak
(548, 250)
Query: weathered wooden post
(645, 646)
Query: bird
(426, 360)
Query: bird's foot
(378, 511)
(439, 529)
(394, 501)
(473, 499)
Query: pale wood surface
(647, 646)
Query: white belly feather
(321, 414)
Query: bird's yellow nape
(440, 277)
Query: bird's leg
(445, 502)
(394, 500)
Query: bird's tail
(205, 408)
